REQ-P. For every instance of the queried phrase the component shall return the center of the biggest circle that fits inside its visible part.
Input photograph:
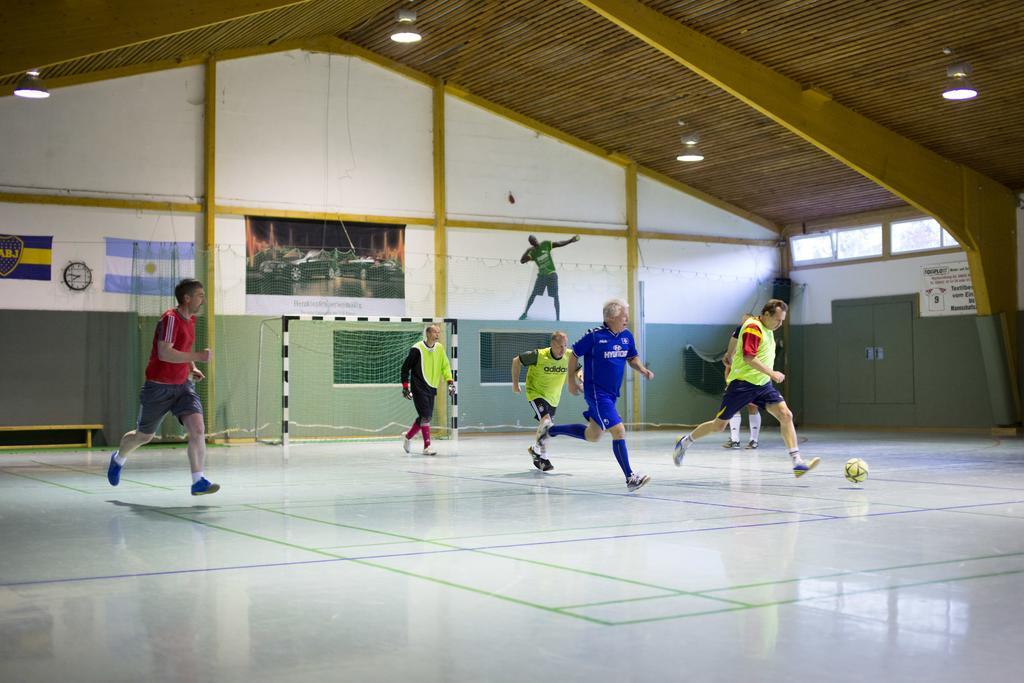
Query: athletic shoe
(539, 461)
(636, 480)
(522, 317)
(731, 444)
(114, 470)
(752, 444)
(204, 487)
(429, 450)
(680, 450)
(801, 468)
(407, 444)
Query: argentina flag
(142, 267)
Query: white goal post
(376, 386)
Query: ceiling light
(959, 86)
(691, 153)
(690, 139)
(406, 31)
(31, 86)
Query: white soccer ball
(856, 470)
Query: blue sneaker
(801, 468)
(203, 487)
(114, 470)
(680, 449)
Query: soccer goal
(341, 377)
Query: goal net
(341, 377)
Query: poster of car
(324, 267)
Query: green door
(875, 352)
(894, 352)
(855, 341)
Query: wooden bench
(87, 430)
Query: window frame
(868, 222)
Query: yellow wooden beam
(209, 235)
(53, 31)
(632, 263)
(100, 202)
(440, 207)
(225, 210)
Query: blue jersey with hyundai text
(604, 360)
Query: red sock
(412, 430)
(426, 435)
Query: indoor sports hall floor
(354, 561)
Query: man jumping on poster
(547, 278)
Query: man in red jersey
(168, 388)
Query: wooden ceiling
(561, 64)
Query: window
(498, 348)
(867, 242)
(859, 242)
(920, 235)
(812, 248)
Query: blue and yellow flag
(25, 257)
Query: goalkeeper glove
(406, 392)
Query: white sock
(755, 426)
(196, 476)
(795, 455)
(734, 426)
(120, 459)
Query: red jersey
(181, 333)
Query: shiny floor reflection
(356, 561)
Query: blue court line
(630, 496)
(485, 547)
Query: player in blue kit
(606, 351)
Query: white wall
(486, 279)
(78, 235)
(317, 132)
(812, 302)
(314, 132)
(704, 283)
(138, 137)
(661, 208)
(487, 157)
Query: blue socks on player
(576, 431)
(622, 455)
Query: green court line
(51, 483)
(794, 601)
(76, 469)
(450, 584)
(539, 563)
(833, 575)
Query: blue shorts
(601, 409)
(158, 399)
(740, 393)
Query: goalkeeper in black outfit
(426, 365)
